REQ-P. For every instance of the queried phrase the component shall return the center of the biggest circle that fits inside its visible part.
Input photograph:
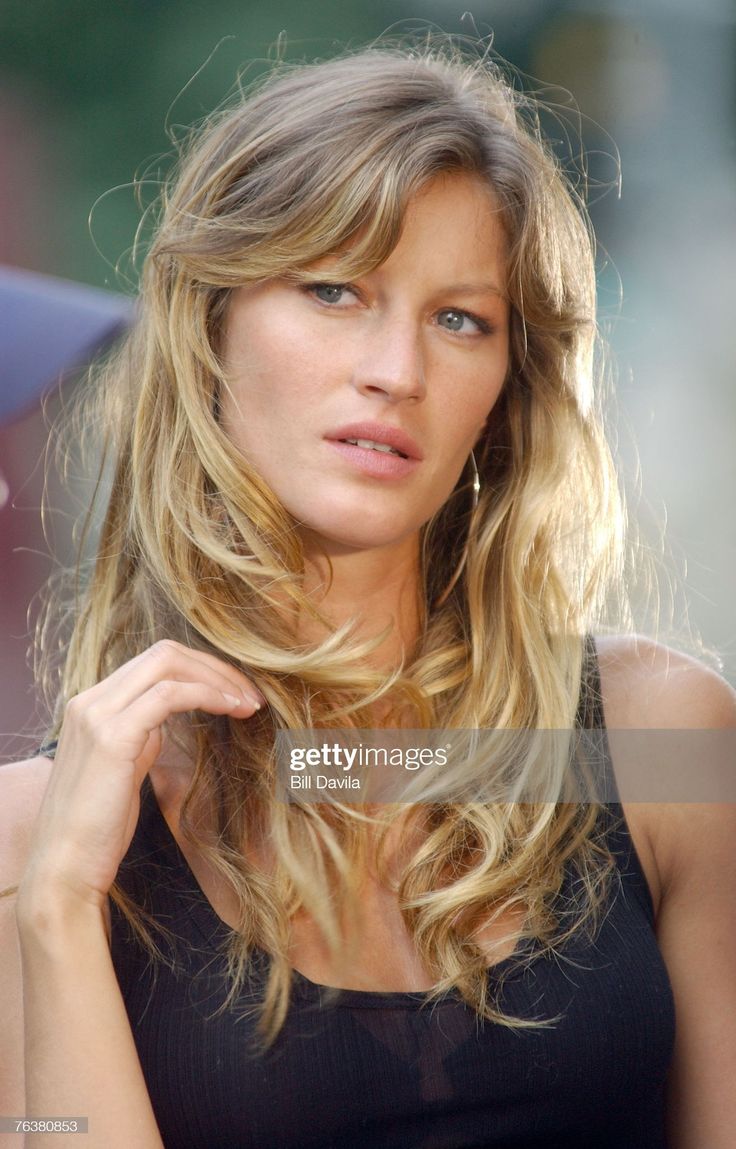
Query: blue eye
(461, 322)
(328, 292)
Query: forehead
(453, 231)
(452, 228)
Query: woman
(359, 481)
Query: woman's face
(407, 360)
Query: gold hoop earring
(438, 602)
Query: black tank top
(388, 1070)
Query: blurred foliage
(99, 85)
(103, 81)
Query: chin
(355, 534)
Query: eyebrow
(475, 289)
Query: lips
(378, 437)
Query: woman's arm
(80, 1057)
(57, 984)
(697, 934)
(22, 786)
(692, 847)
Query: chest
(390, 1068)
(387, 1069)
(378, 952)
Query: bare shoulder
(647, 685)
(688, 849)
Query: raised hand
(110, 739)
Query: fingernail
(232, 699)
(255, 697)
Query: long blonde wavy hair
(323, 159)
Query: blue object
(49, 327)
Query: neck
(379, 588)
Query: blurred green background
(90, 88)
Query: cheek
(262, 378)
(479, 408)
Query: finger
(170, 696)
(169, 661)
(218, 666)
(123, 734)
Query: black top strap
(590, 714)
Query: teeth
(371, 445)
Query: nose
(391, 362)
